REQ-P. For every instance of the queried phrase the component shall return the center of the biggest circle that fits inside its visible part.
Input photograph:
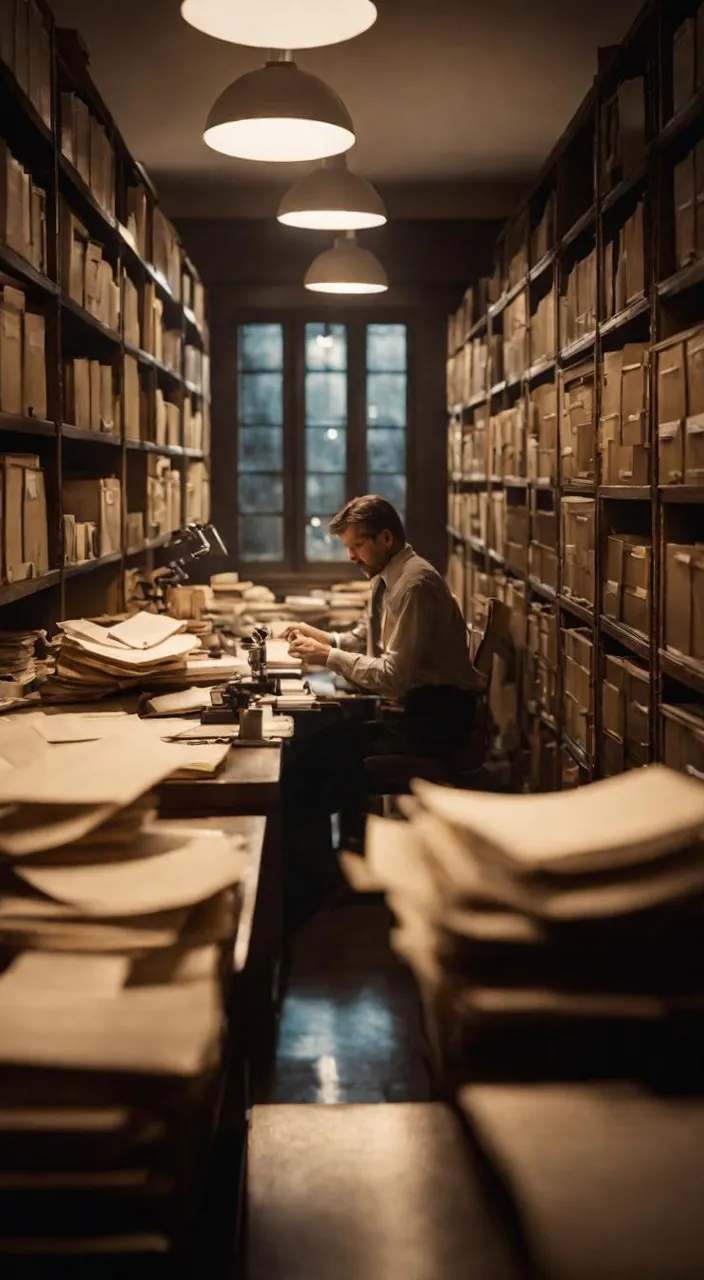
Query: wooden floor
(350, 1028)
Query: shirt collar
(394, 568)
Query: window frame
(294, 566)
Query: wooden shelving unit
(606, 233)
(65, 450)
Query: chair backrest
(496, 633)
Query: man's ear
(387, 539)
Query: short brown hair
(373, 513)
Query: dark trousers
(328, 775)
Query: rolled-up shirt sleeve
(394, 673)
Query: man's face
(371, 554)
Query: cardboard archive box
(627, 586)
(683, 739)
(684, 599)
(577, 425)
(544, 429)
(578, 558)
(98, 502)
(578, 707)
(680, 409)
(25, 542)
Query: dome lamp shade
(279, 113)
(346, 269)
(281, 24)
(332, 199)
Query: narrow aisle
(350, 1026)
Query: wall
(253, 268)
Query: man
(412, 651)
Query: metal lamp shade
(332, 199)
(279, 113)
(346, 268)
(281, 24)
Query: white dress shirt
(423, 635)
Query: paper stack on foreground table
(117, 937)
(563, 912)
(96, 661)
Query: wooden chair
(391, 775)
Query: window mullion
(357, 399)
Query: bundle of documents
(20, 667)
(98, 661)
(542, 914)
(119, 931)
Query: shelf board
(192, 325)
(513, 383)
(630, 313)
(477, 545)
(632, 640)
(91, 322)
(78, 189)
(26, 426)
(626, 492)
(679, 123)
(13, 264)
(515, 482)
(193, 389)
(580, 611)
(548, 486)
(152, 544)
(167, 372)
(498, 559)
(474, 401)
(458, 537)
(630, 183)
(549, 721)
(479, 326)
(681, 493)
(498, 388)
(20, 590)
(507, 298)
(686, 278)
(69, 432)
(197, 455)
(584, 223)
(143, 356)
(544, 265)
(542, 589)
(126, 242)
(578, 753)
(687, 670)
(539, 369)
(579, 347)
(88, 566)
(580, 488)
(150, 446)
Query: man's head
(372, 531)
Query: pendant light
(346, 268)
(279, 113)
(332, 199)
(284, 24)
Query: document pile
(548, 914)
(19, 665)
(115, 930)
(96, 661)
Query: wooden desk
(248, 783)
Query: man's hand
(297, 630)
(309, 650)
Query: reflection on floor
(350, 1025)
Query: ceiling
(456, 103)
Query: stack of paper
(581, 908)
(119, 932)
(97, 661)
(19, 666)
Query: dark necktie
(377, 606)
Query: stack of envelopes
(99, 661)
(116, 939)
(535, 922)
